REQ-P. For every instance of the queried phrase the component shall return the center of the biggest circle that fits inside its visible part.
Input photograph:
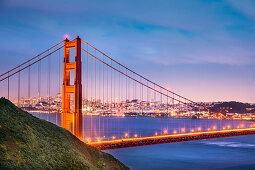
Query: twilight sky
(204, 50)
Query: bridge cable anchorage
(139, 74)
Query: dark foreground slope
(30, 143)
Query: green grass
(27, 142)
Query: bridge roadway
(172, 138)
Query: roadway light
(98, 140)
(228, 126)
(199, 129)
(183, 130)
(113, 137)
(165, 131)
(175, 132)
(214, 127)
(135, 135)
(192, 130)
(88, 140)
(126, 135)
(156, 133)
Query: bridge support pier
(72, 119)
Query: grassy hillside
(27, 142)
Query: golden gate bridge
(92, 93)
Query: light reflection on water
(108, 127)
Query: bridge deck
(152, 140)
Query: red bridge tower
(72, 119)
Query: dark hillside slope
(27, 142)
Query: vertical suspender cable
(96, 104)
(91, 100)
(137, 102)
(148, 105)
(127, 129)
(160, 109)
(29, 88)
(167, 111)
(107, 100)
(120, 127)
(99, 101)
(154, 110)
(87, 83)
(173, 114)
(19, 89)
(141, 113)
(103, 98)
(112, 130)
(8, 87)
(95, 107)
(179, 116)
(113, 104)
(57, 88)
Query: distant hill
(234, 107)
(27, 142)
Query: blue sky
(204, 50)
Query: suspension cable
(140, 75)
(30, 59)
